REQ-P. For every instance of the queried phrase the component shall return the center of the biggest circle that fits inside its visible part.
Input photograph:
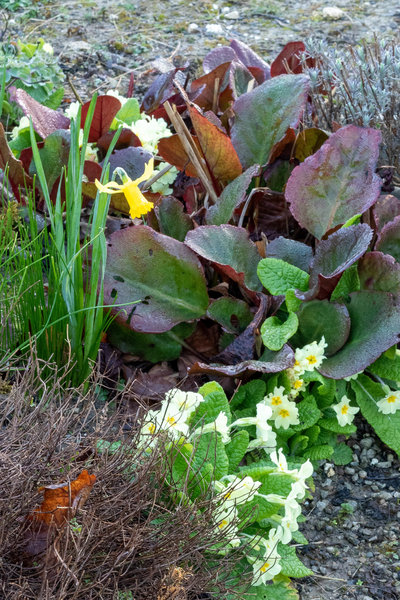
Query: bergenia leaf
(44, 120)
(229, 250)
(319, 318)
(378, 271)
(105, 110)
(291, 251)
(231, 197)
(389, 239)
(263, 116)
(337, 182)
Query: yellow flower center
(345, 409)
(276, 400)
(297, 384)
(296, 363)
(227, 496)
(223, 523)
(265, 567)
(152, 428)
(311, 359)
(391, 399)
(284, 413)
(171, 420)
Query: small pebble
(349, 470)
(233, 14)
(362, 474)
(213, 29)
(384, 464)
(193, 28)
(367, 442)
(321, 505)
(332, 12)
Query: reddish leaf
(337, 182)
(60, 503)
(217, 57)
(172, 151)
(389, 239)
(104, 113)
(126, 138)
(217, 148)
(202, 89)
(162, 89)
(44, 120)
(385, 210)
(251, 59)
(18, 177)
(378, 271)
(289, 57)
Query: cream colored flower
(390, 403)
(275, 400)
(287, 414)
(310, 356)
(150, 131)
(345, 412)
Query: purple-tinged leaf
(132, 159)
(389, 239)
(289, 59)
(386, 209)
(291, 251)
(378, 271)
(375, 327)
(218, 56)
(250, 58)
(163, 275)
(44, 120)
(337, 182)
(230, 251)
(263, 116)
(270, 362)
(231, 197)
(333, 256)
(319, 318)
(104, 112)
(172, 219)
(162, 89)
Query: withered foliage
(128, 540)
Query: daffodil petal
(148, 171)
(138, 204)
(110, 188)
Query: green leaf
(172, 218)
(236, 449)
(234, 315)
(375, 326)
(299, 538)
(209, 448)
(387, 427)
(319, 318)
(208, 411)
(210, 386)
(275, 334)
(291, 565)
(232, 196)
(153, 347)
(271, 591)
(332, 424)
(278, 276)
(263, 116)
(386, 367)
(309, 413)
(349, 282)
(54, 156)
(298, 443)
(342, 454)
(129, 113)
(319, 452)
(55, 99)
(312, 433)
(249, 394)
(160, 278)
(292, 302)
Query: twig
(155, 177)
(75, 91)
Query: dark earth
(353, 520)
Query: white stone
(214, 29)
(193, 28)
(332, 12)
(233, 14)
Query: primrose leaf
(332, 424)
(271, 591)
(236, 449)
(375, 327)
(278, 276)
(275, 334)
(387, 427)
(129, 112)
(230, 251)
(309, 413)
(389, 239)
(319, 452)
(263, 116)
(319, 318)
(208, 410)
(386, 367)
(231, 197)
(342, 454)
(163, 275)
(209, 447)
(336, 182)
(291, 565)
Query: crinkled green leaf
(309, 413)
(332, 424)
(342, 454)
(251, 392)
(275, 334)
(291, 565)
(319, 452)
(236, 449)
(386, 367)
(208, 411)
(209, 448)
(278, 276)
(387, 427)
(271, 591)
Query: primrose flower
(310, 356)
(72, 111)
(280, 461)
(171, 419)
(150, 131)
(184, 401)
(138, 205)
(344, 412)
(220, 425)
(288, 414)
(239, 491)
(226, 519)
(289, 523)
(265, 436)
(390, 403)
(275, 399)
(265, 569)
(48, 48)
(117, 95)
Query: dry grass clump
(128, 541)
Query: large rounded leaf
(163, 275)
(375, 327)
(337, 182)
(389, 239)
(323, 318)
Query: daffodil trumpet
(138, 205)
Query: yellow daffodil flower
(138, 205)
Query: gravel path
(354, 518)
